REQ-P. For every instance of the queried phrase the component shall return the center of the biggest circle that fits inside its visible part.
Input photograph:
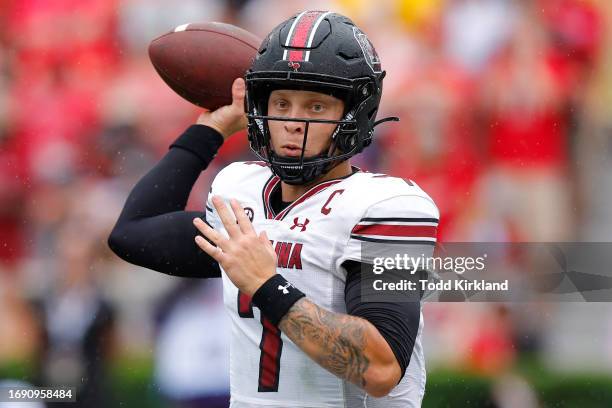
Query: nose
(294, 111)
(294, 127)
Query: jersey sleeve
(404, 224)
(212, 218)
(408, 222)
(154, 230)
(218, 186)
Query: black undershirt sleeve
(397, 322)
(154, 230)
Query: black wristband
(275, 297)
(203, 141)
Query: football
(200, 61)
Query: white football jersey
(313, 237)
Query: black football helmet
(323, 52)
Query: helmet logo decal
(368, 50)
(294, 65)
(302, 33)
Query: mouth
(291, 150)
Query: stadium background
(506, 109)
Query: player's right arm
(154, 230)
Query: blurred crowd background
(506, 121)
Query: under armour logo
(284, 288)
(294, 65)
(297, 223)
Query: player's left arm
(372, 343)
(350, 347)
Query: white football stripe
(313, 32)
(291, 32)
(182, 27)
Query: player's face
(288, 137)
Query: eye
(281, 104)
(318, 107)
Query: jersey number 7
(271, 346)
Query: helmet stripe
(301, 34)
(313, 32)
(288, 40)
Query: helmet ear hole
(363, 91)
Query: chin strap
(383, 120)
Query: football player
(285, 232)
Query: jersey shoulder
(388, 196)
(387, 210)
(240, 175)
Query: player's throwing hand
(228, 119)
(247, 258)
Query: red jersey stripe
(270, 184)
(396, 230)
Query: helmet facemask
(323, 52)
(352, 133)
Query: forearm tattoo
(335, 341)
